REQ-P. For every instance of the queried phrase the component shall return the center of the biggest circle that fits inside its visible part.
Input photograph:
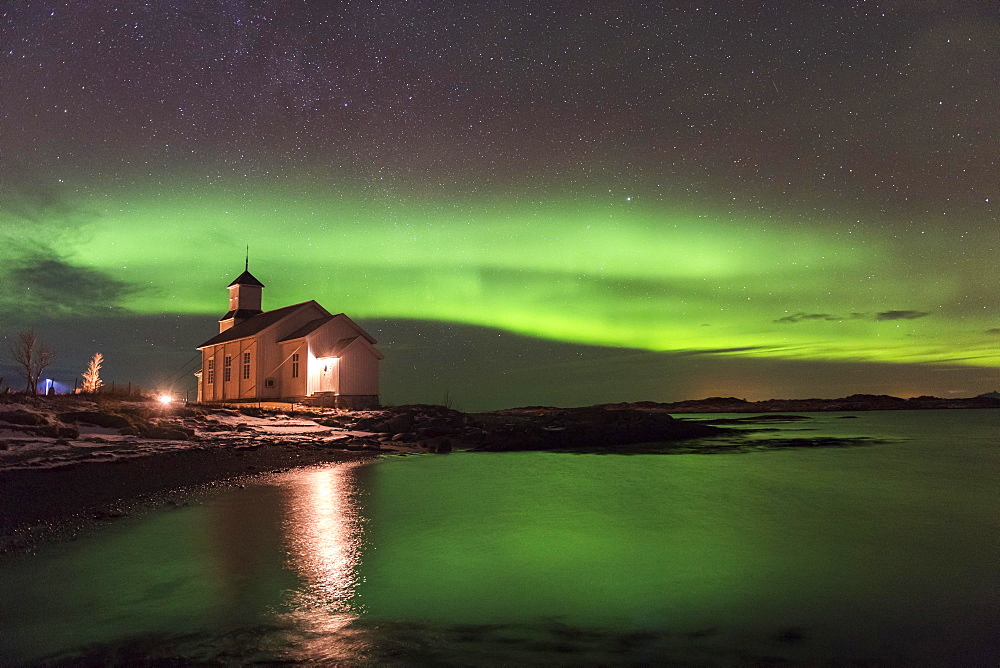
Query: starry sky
(556, 202)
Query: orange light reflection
(324, 541)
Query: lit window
(246, 366)
(227, 369)
(295, 365)
(210, 372)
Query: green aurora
(613, 271)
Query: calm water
(885, 553)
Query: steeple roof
(246, 278)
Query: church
(299, 354)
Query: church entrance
(328, 374)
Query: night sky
(525, 202)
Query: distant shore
(854, 402)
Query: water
(885, 553)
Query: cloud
(901, 315)
(877, 317)
(37, 220)
(798, 317)
(30, 199)
(40, 281)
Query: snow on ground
(21, 449)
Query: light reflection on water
(323, 534)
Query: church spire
(244, 297)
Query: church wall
(323, 340)
(359, 370)
(288, 385)
(237, 387)
(358, 365)
(208, 360)
(278, 363)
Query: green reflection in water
(169, 573)
(876, 554)
(540, 535)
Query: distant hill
(855, 402)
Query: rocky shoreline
(66, 461)
(74, 457)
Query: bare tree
(92, 376)
(32, 355)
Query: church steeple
(244, 298)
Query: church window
(246, 366)
(210, 372)
(227, 369)
(295, 365)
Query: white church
(299, 353)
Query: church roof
(339, 346)
(241, 313)
(246, 278)
(253, 325)
(307, 328)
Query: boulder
(394, 425)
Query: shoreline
(69, 462)
(44, 504)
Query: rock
(98, 418)
(335, 422)
(436, 431)
(22, 417)
(167, 433)
(219, 426)
(438, 445)
(67, 431)
(394, 425)
(47, 430)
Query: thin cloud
(901, 315)
(799, 317)
(877, 317)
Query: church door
(328, 374)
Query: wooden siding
(287, 385)
(273, 357)
(359, 369)
(358, 364)
(237, 387)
